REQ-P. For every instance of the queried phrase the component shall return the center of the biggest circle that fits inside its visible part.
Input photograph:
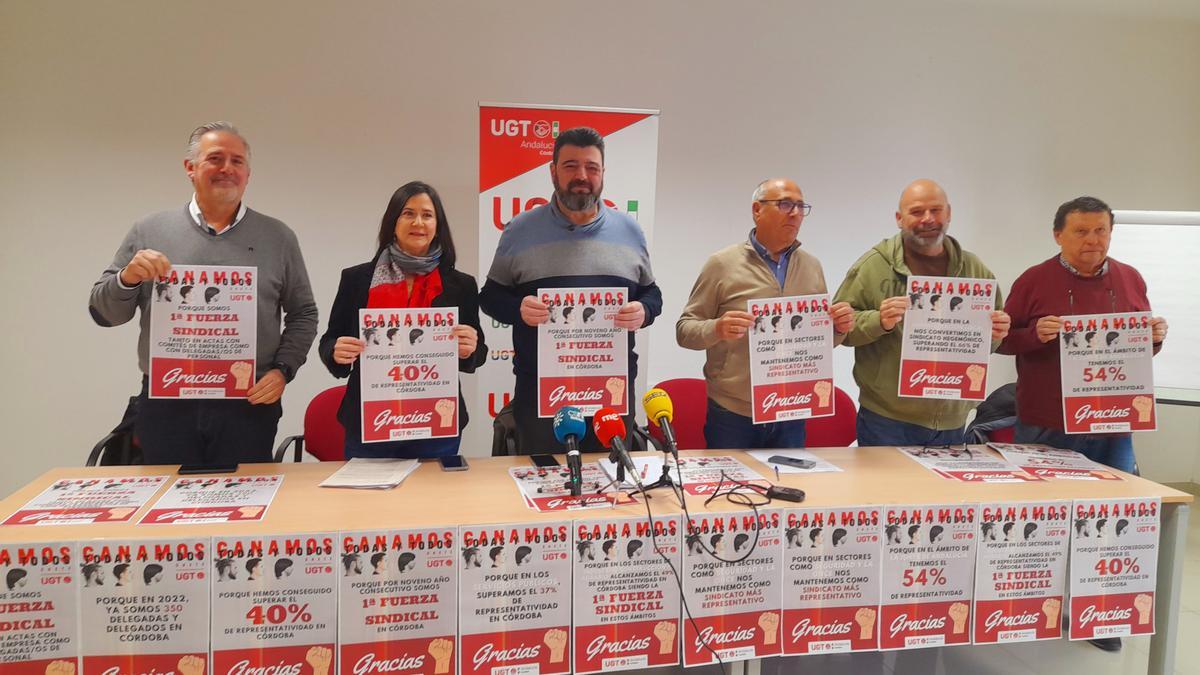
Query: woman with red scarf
(414, 267)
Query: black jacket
(458, 290)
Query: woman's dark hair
(913, 530)
(1030, 528)
(443, 238)
(150, 571)
(955, 302)
(282, 566)
(740, 540)
(839, 535)
(120, 569)
(14, 575)
(632, 547)
(210, 293)
(377, 558)
(1008, 527)
(935, 532)
(1111, 337)
(1121, 525)
(608, 545)
(796, 320)
(404, 559)
(252, 563)
(814, 533)
(522, 554)
(495, 552)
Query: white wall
(1014, 110)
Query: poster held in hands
(947, 338)
(1107, 373)
(791, 358)
(583, 358)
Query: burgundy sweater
(1049, 289)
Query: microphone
(610, 429)
(569, 427)
(660, 411)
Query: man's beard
(924, 244)
(577, 201)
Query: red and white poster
(228, 499)
(143, 606)
(1021, 571)
(274, 604)
(203, 332)
(928, 575)
(399, 593)
(1044, 461)
(545, 488)
(1114, 567)
(514, 601)
(967, 463)
(516, 143)
(947, 338)
(77, 501)
(409, 373)
(626, 609)
(831, 565)
(702, 475)
(1107, 373)
(583, 358)
(732, 586)
(39, 633)
(791, 358)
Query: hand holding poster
(214, 500)
(1114, 567)
(144, 606)
(398, 611)
(626, 605)
(1021, 571)
(928, 575)
(203, 332)
(274, 604)
(1107, 374)
(735, 605)
(409, 373)
(947, 338)
(831, 562)
(583, 358)
(791, 358)
(514, 603)
(40, 608)
(75, 501)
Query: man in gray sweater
(216, 228)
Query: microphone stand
(665, 479)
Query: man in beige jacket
(768, 264)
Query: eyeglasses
(788, 205)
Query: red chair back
(689, 397)
(324, 437)
(1002, 435)
(837, 431)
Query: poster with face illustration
(1107, 373)
(1114, 567)
(947, 338)
(583, 358)
(40, 606)
(791, 358)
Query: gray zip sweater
(257, 241)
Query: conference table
(486, 494)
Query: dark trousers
(535, 435)
(199, 431)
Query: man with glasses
(875, 286)
(768, 264)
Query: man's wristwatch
(284, 368)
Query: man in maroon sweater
(1081, 279)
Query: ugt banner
(516, 144)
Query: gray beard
(577, 202)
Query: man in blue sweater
(216, 228)
(574, 241)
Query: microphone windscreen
(568, 421)
(657, 404)
(608, 424)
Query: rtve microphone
(661, 411)
(610, 429)
(569, 427)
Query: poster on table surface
(398, 609)
(203, 332)
(514, 601)
(1046, 462)
(967, 463)
(791, 358)
(1107, 373)
(947, 338)
(144, 606)
(78, 501)
(583, 358)
(274, 603)
(1114, 567)
(1021, 571)
(702, 475)
(831, 564)
(626, 598)
(732, 584)
(39, 601)
(545, 489)
(408, 373)
(214, 500)
(928, 575)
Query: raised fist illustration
(556, 640)
(975, 373)
(1143, 603)
(319, 658)
(60, 668)
(445, 410)
(769, 623)
(250, 512)
(665, 632)
(242, 371)
(865, 618)
(441, 650)
(1051, 608)
(823, 389)
(120, 513)
(191, 665)
(958, 613)
(616, 390)
(1144, 405)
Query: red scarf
(425, 288)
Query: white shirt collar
(198, 217)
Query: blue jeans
(725, 429)
(1115, 450)
(875, 429)
(419, 449)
